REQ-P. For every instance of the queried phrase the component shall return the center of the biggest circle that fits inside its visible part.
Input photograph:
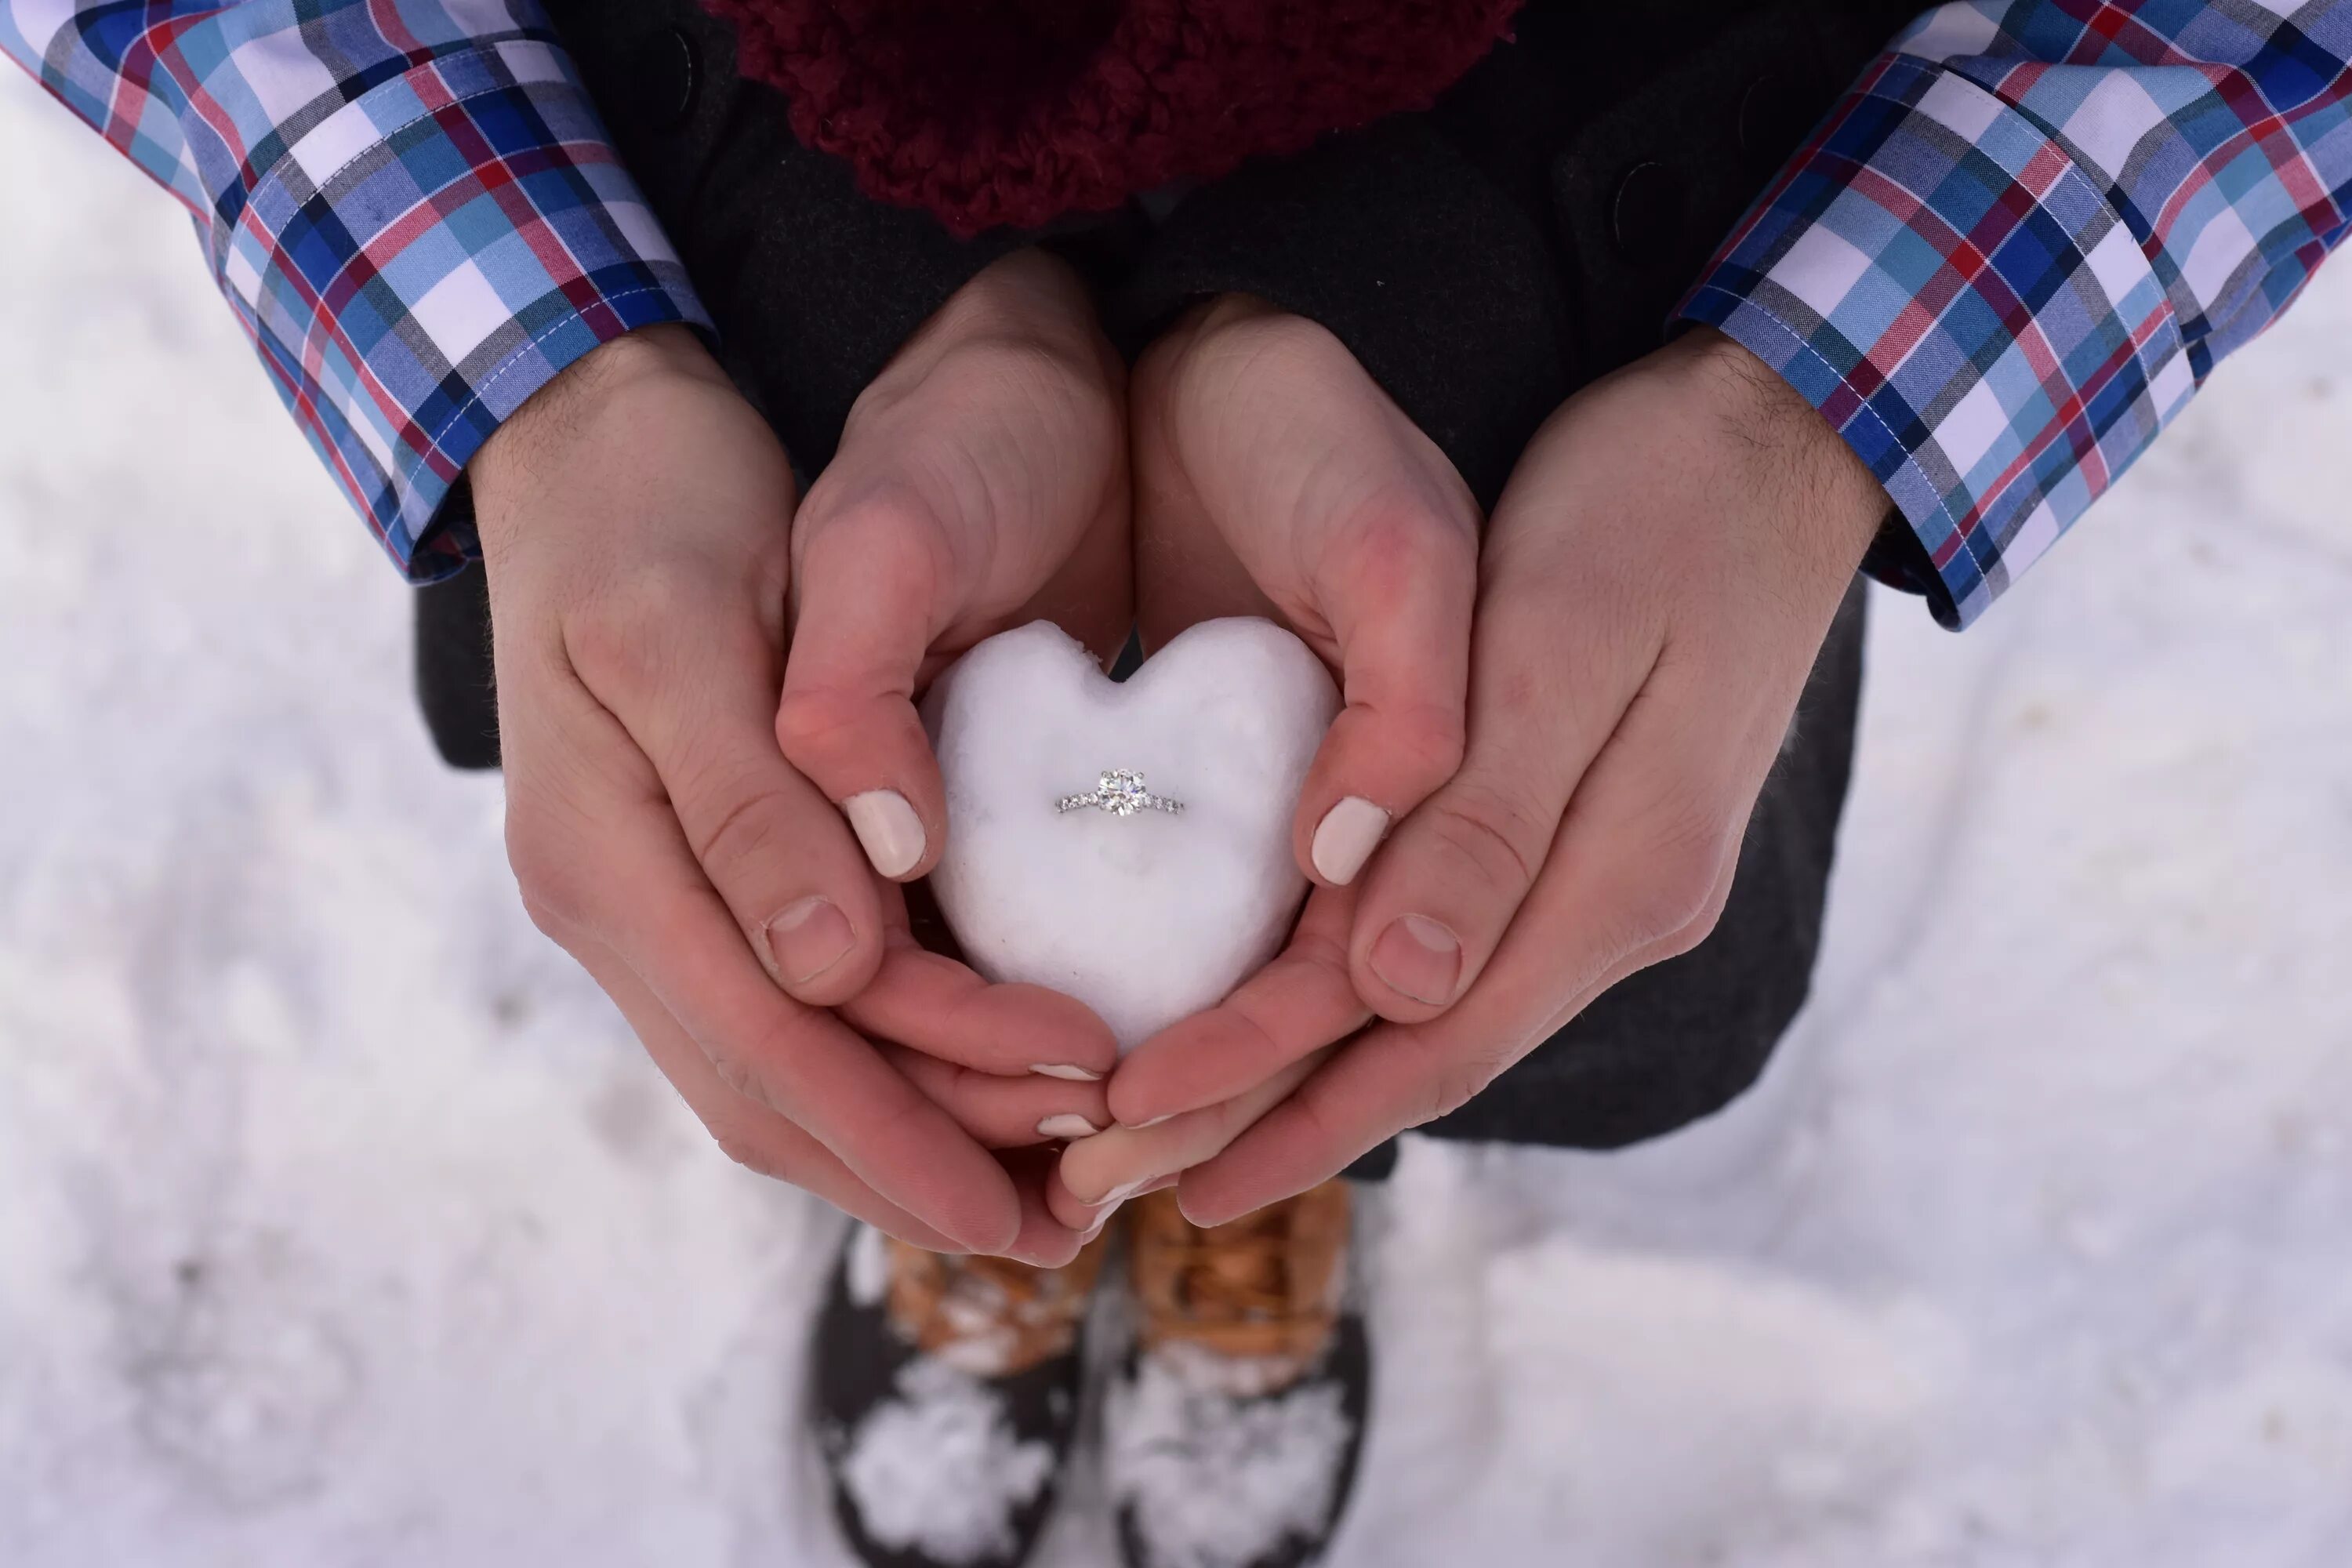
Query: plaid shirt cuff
(420, 261)
(1961, 301)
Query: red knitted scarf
(1014, 111)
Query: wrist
(1833, 501)
(610, 377)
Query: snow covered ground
(341, 1222)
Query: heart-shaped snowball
(1144, 914)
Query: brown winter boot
(946, 1392)
(1233, 1435)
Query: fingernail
(1110, 1208)
(1066, 1125)
(1346, 839)
(1065, 1070)
(1119, 1195)
(808, 937)
(1419, 958)
(888, 829)
(1139, 1126)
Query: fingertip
(994, 1238)
(1067, 1206)
(1374, 767)
(890, 832)
(1149, 1086)
(1043, 1239)
(1412, 970)
(868, 753)
(1060, 1037)
(816, 951)
(1345, 838)
(1205, 1208)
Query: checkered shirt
(2005, 261)
(2019, 245)
(409, 203)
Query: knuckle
(1239, 347)
(1691, 935)
(1500, 838)
(543, 918)
(736, 819)
(616, 639)
(635, 631)
(1451, 1073)
(1266, 338)
(1455, 1084)
(546, 866)
(739, 1144)
(736, 1076)
(1428, 739)
(811, 721)
(1701, 927)
(1676, 880)
(1402, 548)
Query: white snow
(1216, 1481)
(1150, 917)
(341, 1221)
(938, 1467)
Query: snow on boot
(946, 1395)
(1233, 1434)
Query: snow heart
(1143, 912)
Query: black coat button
(667, 79)
(1646, 218)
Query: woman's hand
(1274, 478)
(1654, 587)
(982, 482)
(635, 518)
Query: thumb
(1397, 587)
(869, 582)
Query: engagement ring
(1121, 792)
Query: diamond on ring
(1122, 793)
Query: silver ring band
(1121, 794)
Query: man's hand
(635, 525)
(1654, 587)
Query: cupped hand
(634, 519)
(1655, 584)
(982, 482)
(1274, 476)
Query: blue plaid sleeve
(2014, 250)
(410, 204)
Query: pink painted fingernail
(1066, 1124)
(808, 937)
(1419, 958)
(1346, 839)
(1065, 1070)
(887, 828)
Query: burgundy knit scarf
(1014, 111)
